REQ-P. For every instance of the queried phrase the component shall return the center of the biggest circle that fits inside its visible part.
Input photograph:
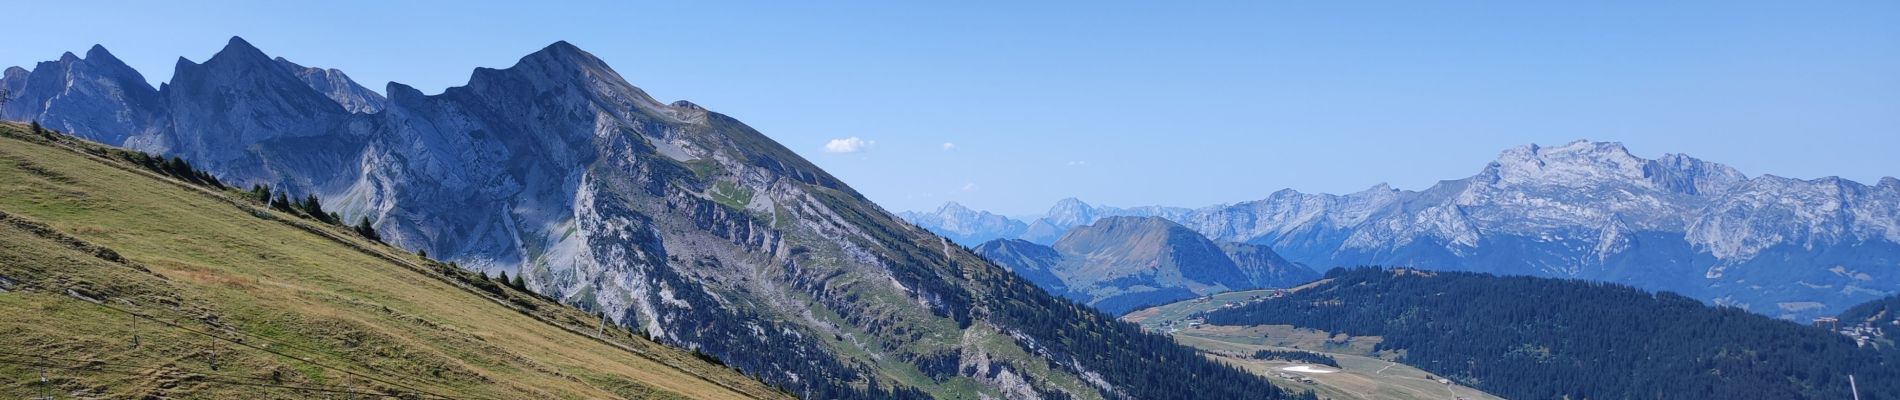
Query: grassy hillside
(119, 283)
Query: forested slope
(1537, 338)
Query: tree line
(1297, 356)
(311, 207)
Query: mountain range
(683, 223)
(1119, 264)
(1784, 247)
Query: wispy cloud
(969, 186)
(1077, 163)
(848, 145)
(947, 146)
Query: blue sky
(1186, 104)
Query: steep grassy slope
(200, 295)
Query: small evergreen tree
(177, 167)
(501, 276)
(39, 130)
(363, 228)
(424, 253)
(206, 178)
(281, 202)
(261, 193)
(518, 283)
(315, 209)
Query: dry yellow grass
(268, 281)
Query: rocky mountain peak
(564, 58)
(98, 97)
(687, 105)
(239, 50)
(12, 80)
(566, 75)
(99, 53)
(337, 86)
(238, 98)
(1577, 163)
(1680, 173)
(952, 207)
(1070, 212)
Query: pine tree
(518, 283)
(176, 167)
(261, 193)
(363, 228)
(315, 209)
(40, 130)
(424, 253)
(281, 202)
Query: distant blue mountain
(1784, 247)
(1118, 264)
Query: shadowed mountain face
(668, 217)
(97, 93)
(1122, 263)
(1782, 247)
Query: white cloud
(848, 145)
(947, 146)
(969, 187)
(1077, 163)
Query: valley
(1363, 372)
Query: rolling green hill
(118, 282)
